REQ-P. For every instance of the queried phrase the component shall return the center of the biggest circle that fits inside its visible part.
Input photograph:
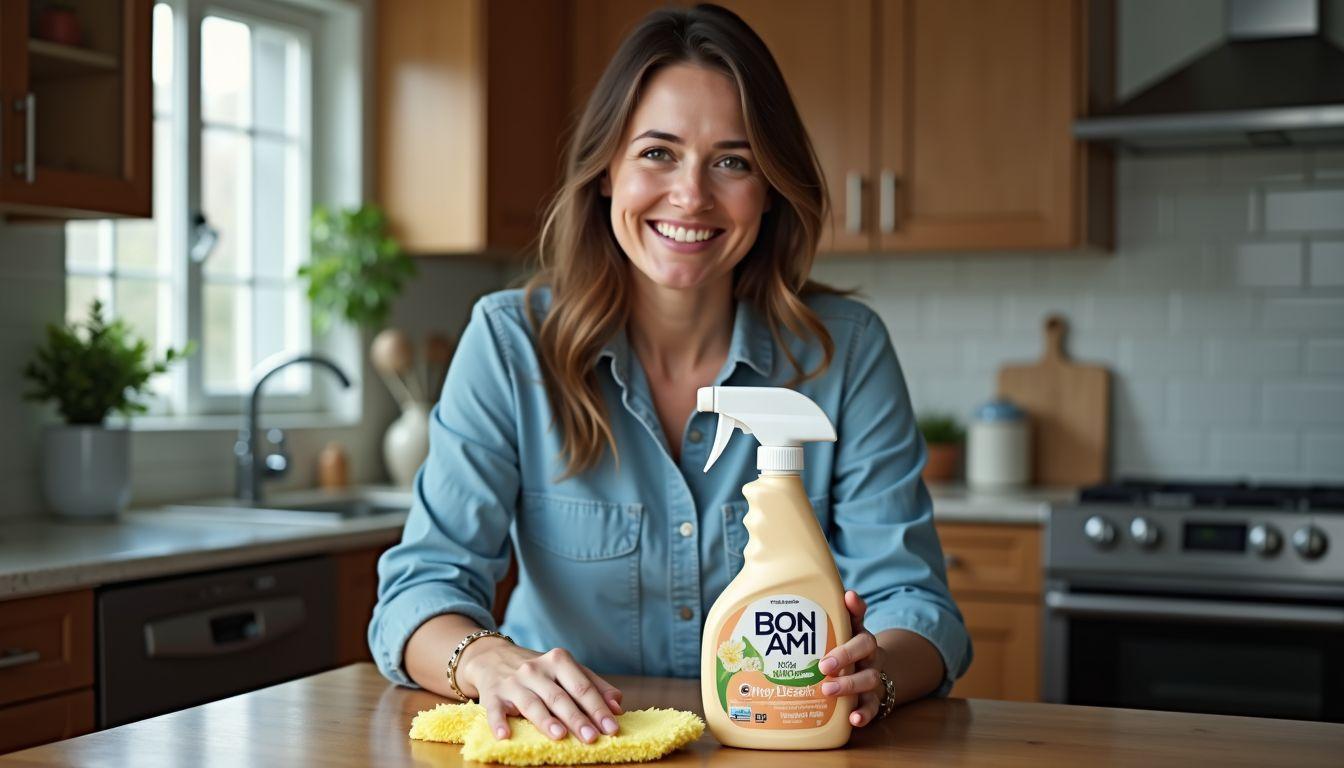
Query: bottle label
(766, 665)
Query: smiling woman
(675, 256)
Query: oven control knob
(1265, 539)
(1144, 532)
(1310, 542)
(1099, 531)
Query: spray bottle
(785, 610)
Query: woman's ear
(604, 184)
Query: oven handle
(1194, 610)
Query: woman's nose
(689, 191)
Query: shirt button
(686, 612)
(695, 436)
(686, 530)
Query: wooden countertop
(353, 717)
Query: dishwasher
(176, 642)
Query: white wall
(1221, 314)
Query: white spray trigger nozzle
(722, 432)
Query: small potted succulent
(90, 370)
(945, 438)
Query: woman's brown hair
(584, 266)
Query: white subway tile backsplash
(1160, 452)
(1094, 272)
(1208, 311)
(1160, 356)
(1211, 401)
(1261, 165)
(987, 355)
(1141, 214)
(1327, 264)
(1325, 356)
(1269, 265)
(953, 314)
(930, 356)
(1214, 213)
(1127, 312)
(31, 303)
(1304, 403)
(1254, 454)
(903, 273)
(900, 312)
(1140, 403)
(1155, 266)
(1308, 315)
(1028, 310)
(1164, 172)
(1304, 210)
(999, 272)
(845, 272)
(1324, 457)
(1326, 164)
(955, 394)
(1255, 357)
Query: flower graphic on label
(731, 654)
(752, 664)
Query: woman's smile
(684, 238)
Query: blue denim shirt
(621, 563)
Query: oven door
(1196, 653)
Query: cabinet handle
(17, 657)
(28, 168)
(887, 202)
(854, 202)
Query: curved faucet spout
(249, 476)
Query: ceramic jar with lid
(998, 447)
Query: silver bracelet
(456, 656)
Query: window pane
(80, 293)
(225, 337)
(281, 233)
(141, 303)
(86, 245)
(277, 81)
(226, 71)
(282, 326)
(162, 59)
(136, 245)
(226, 192)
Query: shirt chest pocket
(735, 533)
(581, 529)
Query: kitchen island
(353, 717)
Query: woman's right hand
(552, 690)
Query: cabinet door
(75, 85)
(597, 29)
(1006, 636)
(975, 147)
(825, 52)
(46, 720)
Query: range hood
(1276, 82)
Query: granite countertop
(43, 555)
(959, 504)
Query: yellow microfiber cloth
(645, 734)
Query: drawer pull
(17, 657)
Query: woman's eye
(736, 163)
(655, 153)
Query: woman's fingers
(865, 711)
(531, 706)
(497, 716)
(858, 648)
(587, 689)
(860, 682)
(857, 610)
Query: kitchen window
(233, 187)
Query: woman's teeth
(681, 234)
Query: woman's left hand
(865, 655)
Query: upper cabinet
(75, 107)
(471, 107)
(939, 124)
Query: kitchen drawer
(1006, 634)
(45, 720)
(46, 645)
(993, 559)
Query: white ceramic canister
(999, 447)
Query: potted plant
(355, 273)
(945, 438)
(90, 370)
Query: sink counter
(957, 503)
(42, 555)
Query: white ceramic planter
(86, 471)
(406, 443)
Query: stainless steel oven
(1173, 601)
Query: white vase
(86, 471)
(406, 443)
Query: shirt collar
(751, 344)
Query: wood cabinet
(46, 669)
(939, 124)
(471, 105)
(75, 107)
(995, 574)
(356, 594)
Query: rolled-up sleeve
(884, 540)
(455, 546)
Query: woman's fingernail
(614, 705)
(856, 719)
(827, 666)
(830, 689)
(587, 733)
(501, 734)
(557, 730)
(608, 725)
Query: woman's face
(686, 195)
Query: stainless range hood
(1276, 82)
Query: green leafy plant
(941, 429)
(356, 270)
(94, 368)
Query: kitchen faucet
(248, 478)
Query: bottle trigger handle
(721, 434)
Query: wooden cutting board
(1070, 409)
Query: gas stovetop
(1168, 494)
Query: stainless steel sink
(316, 507)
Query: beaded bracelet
(451, 672)
(888, 702)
